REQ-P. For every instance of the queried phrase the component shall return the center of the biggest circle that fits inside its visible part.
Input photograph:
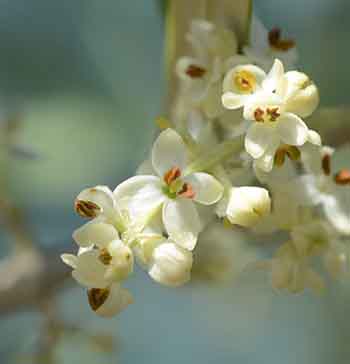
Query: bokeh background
(84, 80)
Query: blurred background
(81, 83)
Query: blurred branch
(30, 276)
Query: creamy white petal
(182, 222)
(168, 151)
(171, 264)
(265, 163)
(70, 259)
(234, 101)
(139, 195)
(258, 138)
(95, 232)
(274, 78)
(208, 190)
(90, 271)
(292, 129)
(118, 299)
(337, 209)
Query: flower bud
(171, 264)
(302, 94)
(247, 205)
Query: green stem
(217, 155)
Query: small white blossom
(172, 192)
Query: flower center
(292, 152)
(270, 114)
(86, 208)
(244, 81)
(342, 177)
(275, 41)
(97, 297)
(195, 71)
(174, 186)
(104, 256)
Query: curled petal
(207, 189)
(292, 129)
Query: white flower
(202, 74)
(247, 205)
(171, 191)
(265, 46)
(271, 103)
(171, 264)
(328, 184)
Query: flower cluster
(231, 157)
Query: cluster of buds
(238, 121)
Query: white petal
(118, 299)
(168, 151)
(182, 222)
(70, 260)
(95, 232)
(274, 78)
(314, 138)
(337, 209)
(233, 101)
(171, 264)
(90, 271)
(258, 138)
(265, 163)
(139, 195)
(292, 129)
(208, 190)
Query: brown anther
(86, 208)
(280, 157)
(97, 297)
(259, 114)
(104, 256)
(326, 164)
(275, 40)
(172, 175)
(195, 71)
(293, 152)
(273, 113)
(187, 191)
(342, 177)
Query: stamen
(86, 208)
(171, 175)
(97, 297)
(273, 113)
(187, 191)
(259, 115)
(105, 257)
(342, 177)
(195, 71)
(326, 164)
(290, 150)
(275, 41)
(245, 81)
